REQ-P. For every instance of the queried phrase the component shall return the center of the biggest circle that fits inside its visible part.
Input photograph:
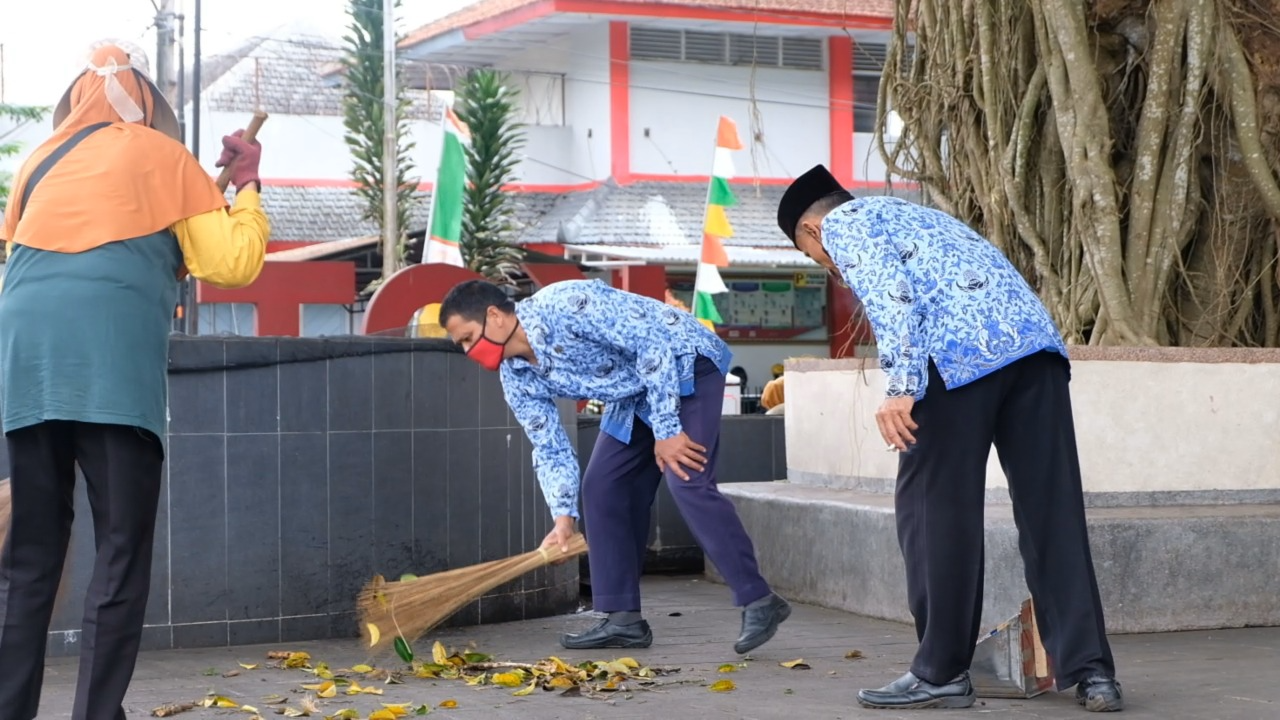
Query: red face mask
(487, 352)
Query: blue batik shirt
(594, 342)
(934, 288)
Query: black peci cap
(803, 192)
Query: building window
(868, 64)
(227, 319)
(792, 53)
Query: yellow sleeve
(226, 248)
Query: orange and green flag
(716, 227)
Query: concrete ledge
(1000, 495)
(1159, 568)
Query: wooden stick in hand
(250, 132)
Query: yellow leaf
(382, 715)
(218, 701)
(508, 679)
(728, 668)
(439, 654)
(722, 686)
(399, 710)
(617, 668)
(526, 689)
(449, 703)
(476, 679)
(374, 634)
(629, 662)
(559, 664)
(297, 660)
(295, 712)
(854, 655)
(249, 666)
(249, 709)
(327, 690)
(560, 682)
(348, 714)
(362, 669)
(797, 664)
(316, 686)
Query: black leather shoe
(760, 624)
(911, 693)
(608, 635)
(1100, 694)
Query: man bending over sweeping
(661, 376)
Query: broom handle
(250, 134)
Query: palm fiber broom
(410, 608)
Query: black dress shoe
(761, 623)
(608, 635)
(1100, 694)
(911, 693)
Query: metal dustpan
(1011, 662)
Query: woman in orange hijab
(104, 219)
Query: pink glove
(243, 158)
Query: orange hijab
(122, 182)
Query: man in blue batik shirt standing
(971, 358)
(660, 374)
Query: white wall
(681, 121)
(758, 358)
(1177, 426)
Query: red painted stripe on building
(840, 81)
(551, 188)
(685, 12)
(508, 20)
(620, 101)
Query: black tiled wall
(299, 468)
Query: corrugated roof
(689, 254)
(487, 9)
(325, 214)
(290, 74)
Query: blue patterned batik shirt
(934, 288)
(594, 342)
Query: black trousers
(1025, 410)
(122, 468)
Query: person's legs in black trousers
(42, 478)
(1035, 439)
(123, 470)
(939, 501)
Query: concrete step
(1164, 568)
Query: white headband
(124, 105)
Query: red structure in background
(647, 280)
(393, 305)
(283, 288)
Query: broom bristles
(411, 608)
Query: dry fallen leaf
(797, 664)
(449, 703)
(728, 668)
(722, 686)
(217, 701)
(374, 634)
(363, 669)
(230, 673)
(297, 660)
(383, 714)
(172, 709)
(526, 689)
(508, 679)
(854, 655)
(439, 654)
(249, 666)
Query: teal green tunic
(85, 336)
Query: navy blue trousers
(618, 490)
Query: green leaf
(403, 650)
(475, 657)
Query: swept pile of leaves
(591, 678)
(596, 679)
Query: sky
(44, 43)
